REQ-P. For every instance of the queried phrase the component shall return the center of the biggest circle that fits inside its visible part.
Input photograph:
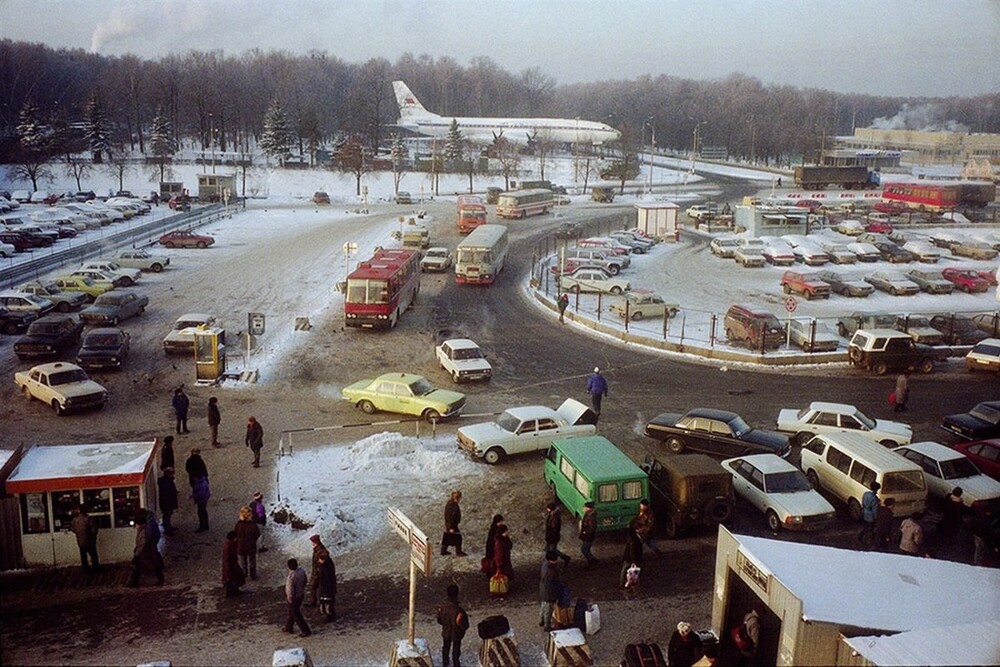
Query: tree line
(78, 102)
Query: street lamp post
(694, 143)
(211, 136)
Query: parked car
(83, 284)
(712, 431)
(604, 243)
(844, 285)
(185, 238)
(780, 491)
(932, 282)
(26, 303)
(593, 280)
(526, 429)
(687, 492)
(124, 277)
(723, 246)
(749, 256)
(966, 280)
(463, 360)
(180, 339)
(810, 255)
(568, 230)
(643, 305)
(892, 282)
(973, 250)
(890, 208)
(15, 240)
(103, 348)
(404, 393)
(753, 327)
(812, 336)
(984, 453)
(945, 468)
(850, 227)
(142, 260)
(114, 307)
(988, 322)
(958, 329)
(102, 277)
(61, 385)
(13, 322)
(865, 252)
(848, 324)
(700, 211)
(808, 285)
(984, 355)
(48, 336)
(923, 251)
(838, 252)
(824, 417)
(403, 197)
(436, 259)
(979, 423)
(884, 350)
(64, 300)
(321, 198)
(879, 226)
(946, 239)
(779, 253)
(893, 253)
(919, 329)
(634, 238)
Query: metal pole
(412, 623)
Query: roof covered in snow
(966, 644)
(56, 467)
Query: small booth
(216, 188)
(658, 219)
(809, 598)
(111, 480)
(209, 353)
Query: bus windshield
(473, 256)
(362, 290)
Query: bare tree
(349, 157)
(398, 156)
(77, 169)
(119, 166)
(510, 160)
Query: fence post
(711, 332)
(812, 334)
(599, 300)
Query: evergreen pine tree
(161, 141)
(277, 137)
(32, 134)
(453, 144)
(97, 134)
(398, 155)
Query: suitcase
(493, 626)
(580, 614)
(643, 655)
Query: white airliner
(413, 116)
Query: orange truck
(471, 212)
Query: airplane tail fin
(408, 103)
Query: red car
(985, 454)
(967, 280)
(891, 208)
(810, 204)
(185, 238)
(989, 276)
(879, 227)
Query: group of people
(254, 438)
(318, 588)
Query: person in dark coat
(195, 466)
(295, 591)
(180, 404)
(597, 387)
(167, 453)
(232, 574)
(633, 550)
(200, 493)
(562, 302)
(167, 493)
(884, 521)
(549, 585)
(247, 534)
(85, 529)
(491, 535)
(146, 554)
(214, 419)
(553, 530)
(454, 622)
(452, 518)
(327, 586)
(588, 533)
(255, 439)
(318, 549)
(685, 647)
(954, 510)
(502, 546)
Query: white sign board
(420, 554)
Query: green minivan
(592, 468)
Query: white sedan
(463, 360)
(946, 468)
(779, 490)
(822, 417)
(526, 429)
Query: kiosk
(112, 480)
(658, 219)
(209, 353)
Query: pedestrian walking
(259, 517)
(645, 525)
(685, 646)
(214, 419)
(491, 536)
(167, 453)
(327, 586)
(195, 466)
(553, 531)
(454, 622)
(232, 575)
(318, 549)
(85, 528)
(588, 532)
(255, 439)
(200, 493)
(911, 539)
(562, 303)
(180, 403)
(452, 536)
(146, 554)
(597, 387)
(884, 521)
(247, 534)
(869, 514)
(901, 394)
(295, 591)
(549, 587)
(167, 494)
(633, 552)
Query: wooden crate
(568, 648)
(500, 651)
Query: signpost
(255, 327)
(790, 305)
(420, 558)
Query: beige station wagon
(643, 305)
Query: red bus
(381, 289)
(923, 195)
(471, 213)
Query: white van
(845, 465)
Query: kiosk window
(64, 504)
(126, 502)
(35, 513)
(98, 503)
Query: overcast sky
(887, 47)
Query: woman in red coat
(232, 573)
(502, 544)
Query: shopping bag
(499, 584)
(593, 619)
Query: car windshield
(958, 468)
(864, 419)
(987, 413)
(421, 387)
(508, 422)
(468, 353)
(791, 481)
(98, 341)
(43, 329)
(437, 253)
(739, 427)
(65, 377)
(184, 324)
(108, 300)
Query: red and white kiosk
(51, 481)
(658, 219)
